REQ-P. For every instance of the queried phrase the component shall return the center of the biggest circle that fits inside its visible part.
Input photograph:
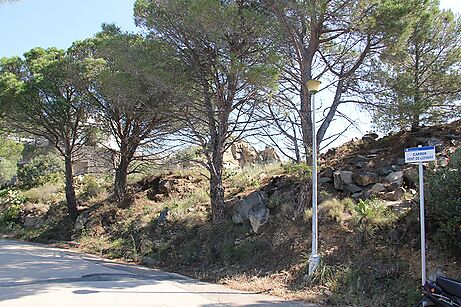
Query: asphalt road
(34, 275)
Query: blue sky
(57, 23)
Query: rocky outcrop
(252, 208)
(242, 153)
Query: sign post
(420, 155)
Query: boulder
(33, 221)
(324, 180)
(366, 178)
(353, 188)
(342, 178)
(258, 216)
(252, 208)
(81, 221)
(395, 177)
(384, 171)
(165, 186)
(395, 195)
(269, 155)
(244, 153)
(369, 137)
(327, 172)
(377, 188)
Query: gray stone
(33, 221)
(343, 178)
(327, 172)
(401, 161)
(377, 188)
(386, 170)
(325, 180)
(434, 142)
(395, 195)
(361, 164)
(366, 178)
(395, 177)
(353, 188)
(81, 221)
(258, 216)
(252, 208)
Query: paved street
(38, 276)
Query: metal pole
(314, 260)
(422, 222)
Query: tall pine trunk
(218, 208)
(121, 172)
(70, 190)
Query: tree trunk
(120, 184)
(121, 172)
(70, 190)
(218, 208)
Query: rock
(353, 188)
(324, 180)
(377, 188)
(327, 172)
(165, 186)
(434, 142)
(258, 216)
(396, 168)
(366, 178)
(384, 171)
(33, 221)
(148, 261)
(401, 161)
(242, 210)
(81, 221)
(163, 216)
(395, 177)
(342, 178)
(361, 164)
(395, 195)
(244, 153)
(369, 137)
(394, 186)
(269, 155)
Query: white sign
(419, 154)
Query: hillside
(368, 224)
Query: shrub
(40, 170)
(45, 194)
(374, 213)
(300, 170)
(90, 186)
(335, 209)
(11, 205)
(444, 202)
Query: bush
(299, 170)
(374, 213)
(11, 205)
(40, 170)
(90, 186)
(337, 210)
(444, 202)
(44, 194)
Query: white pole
(422, 223)
(315, 258)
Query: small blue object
(420, 148)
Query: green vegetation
(10, 155)
(444, 203)
(42, 169)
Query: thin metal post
(314, 260)
(422, 223)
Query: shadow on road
(28, 270)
